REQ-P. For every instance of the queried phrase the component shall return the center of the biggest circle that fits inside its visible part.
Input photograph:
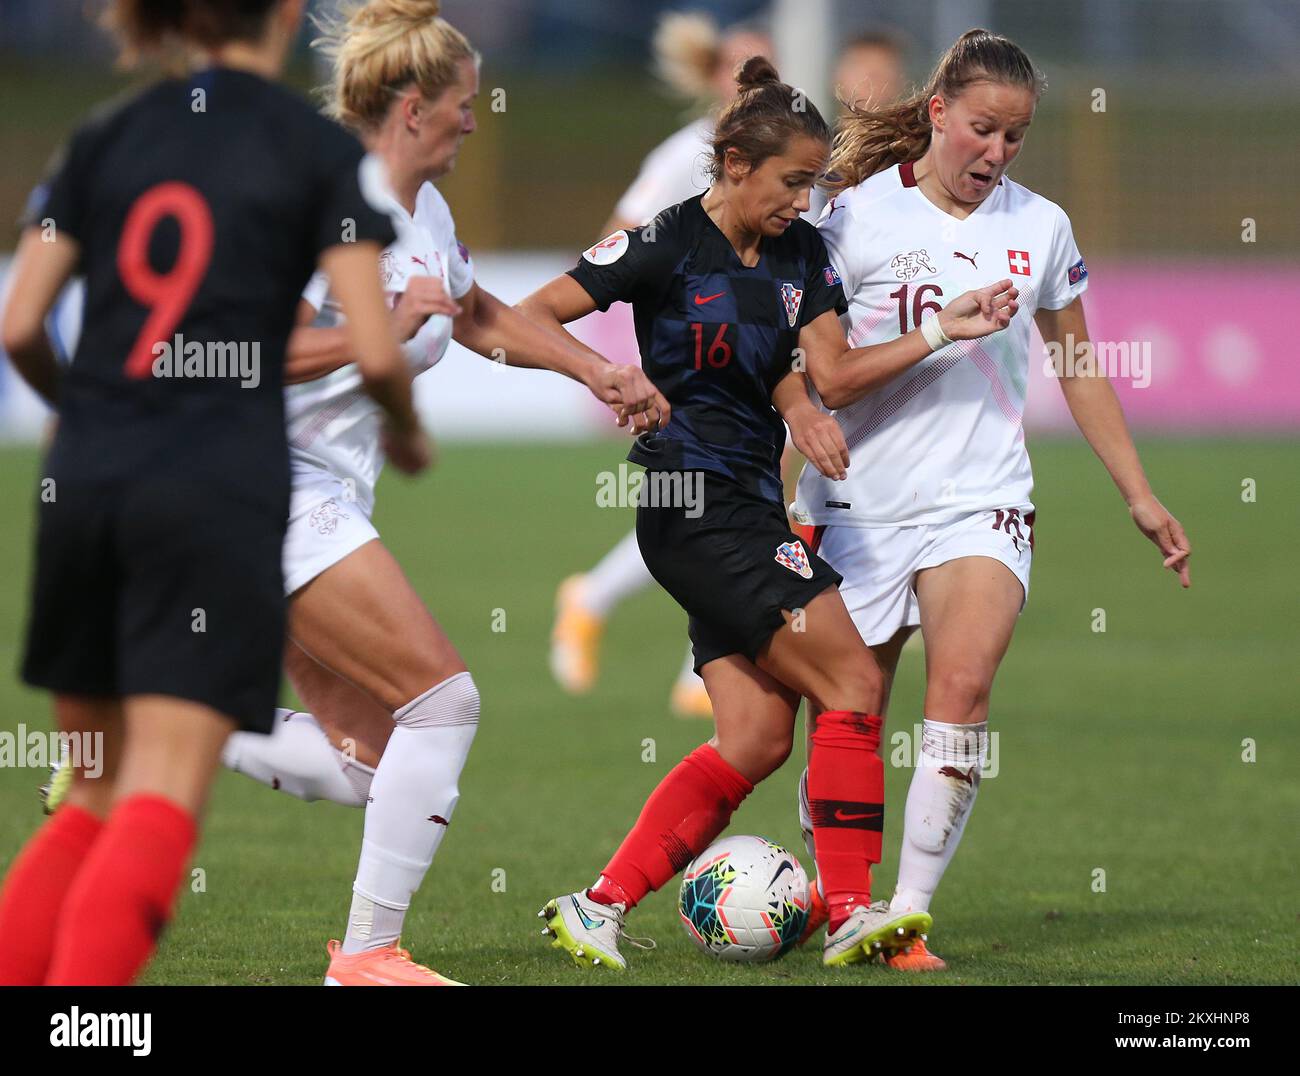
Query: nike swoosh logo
(840, 816)
(587, 921)
(700, 300)
(786, 865)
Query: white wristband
(934, 334)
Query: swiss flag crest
(1018, 262)
(792, 555)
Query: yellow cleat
(873, 932)
(575, 639)
(55, 790)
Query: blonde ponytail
(687, 46)
(383, 46)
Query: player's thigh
(353, 720)
(362, 619)
(969, 607)
(173, 749)
(819, 654)
(753, 715)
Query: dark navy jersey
(200, 207)
(716, 336)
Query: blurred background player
(871, 71)
(934, 525)
(373, 667)
(697, 61)
(158, 611)
(766, 621)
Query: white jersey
(332, 422)
(945, 438)
(672, 173)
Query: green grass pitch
(1120, 751)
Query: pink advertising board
(1190, 347)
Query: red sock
(691, 806)
(123, 895)
(846, 797)
(33, 893)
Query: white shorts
(879, 564)
(327, 521)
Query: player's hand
(409, 450)
(978, 313)
(1154, 520)
(632, 396)
(819, 437)
(423, 297)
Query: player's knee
(858, 686)
(453, 701)
(953, 695)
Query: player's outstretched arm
(843, 375)
(39, 271)
(625, 389)
(354, 276)
(816, 434)
(1097, 413)
(315, 351)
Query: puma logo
(970, 258)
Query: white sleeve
(318, 287)
(1066, 277)
(460, 268)
(836, 227)
(647, 195)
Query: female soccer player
(934, 526)
(696, 60)
(726, 289)
(366, 657)
(158, 613)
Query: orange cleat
(690, 699)
(575, 639)
(916, 958)
(389, 966)
(817, 912)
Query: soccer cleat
(588, 931)
(690, 699)
(575, 639)
(818, 913)
(871, 932)
(55, 790)
(916, 958)
(389, 966)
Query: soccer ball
(744, 899)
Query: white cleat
(871, 932)
(588, 931)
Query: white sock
(939, 801)
(688, 675)
(411, 802)
(298, 758)
(620, 573)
